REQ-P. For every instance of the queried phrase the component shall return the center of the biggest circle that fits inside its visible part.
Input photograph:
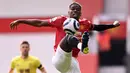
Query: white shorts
(64, 62)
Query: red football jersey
(57, 22)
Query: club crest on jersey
(81, 27)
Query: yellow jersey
(28, 65)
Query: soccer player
(26, 63)
(57, 22)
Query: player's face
(24, 49)
(74, 11)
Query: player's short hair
(25, 42)
(75, 3)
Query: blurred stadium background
(109, 50)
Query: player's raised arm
(53, 22)
(32, 22)
(102, 27)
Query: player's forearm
(11, 71)
(32, 22)
(102, 27)
(43, 70)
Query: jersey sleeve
(38, 63)
(86, 25)
(12, 64)
(57, 21)
(91, 26)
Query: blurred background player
(26, 63)
(57, 22)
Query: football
(70, 25)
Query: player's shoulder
(33, 57)
(15, 58)
(62, 17)
(84, 20)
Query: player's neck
(24, 57)
(76, 18)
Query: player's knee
(73, 41)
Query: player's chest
(24, 64)
(83, 27)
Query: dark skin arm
(32, 22)
(102, 27)
(40, 23)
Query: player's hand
(14, 24)
(116, 23)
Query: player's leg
(63, 56)
(68, 43)
(74, 68)
(62, 60)
(83, 46)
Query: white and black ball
(70, 25)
